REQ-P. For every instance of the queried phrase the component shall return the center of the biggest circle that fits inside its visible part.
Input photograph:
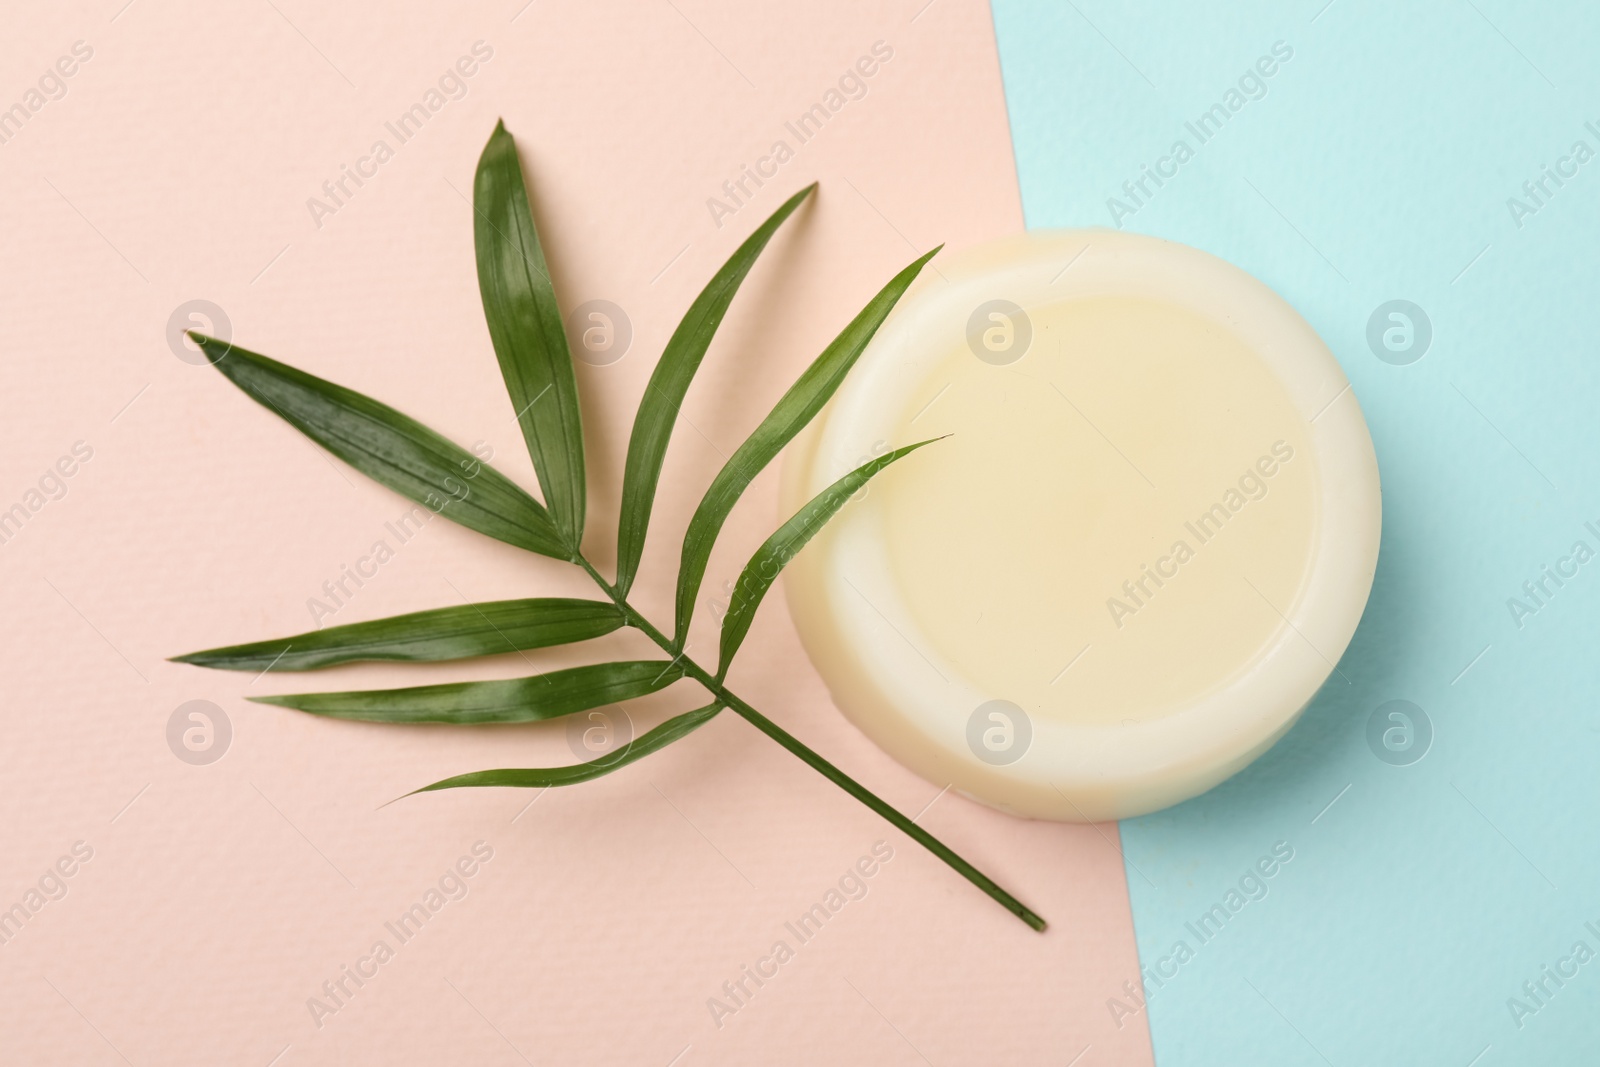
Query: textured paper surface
(1385, 160)
(219, 898)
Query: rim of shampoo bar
(1009, 611)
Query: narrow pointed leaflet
(543, 696)
(545, 777)
(782, 546)
(663, 396)
(519, 303)
(460, 632)
(393, 449)
(788, 417)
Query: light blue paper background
(1378, 166)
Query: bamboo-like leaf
(461, 632)
(530, 344)
(391, 448)
(785, 544)
(793, 410)
(544, 777)
(543, 696)
(658, 409)
(519, 303)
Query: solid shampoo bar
(1142, 546)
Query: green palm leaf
(391, 448)
(543, 696)
(463, 632)
(785, 544)
(793, 410)
(530, 344)
(544, 777)
(658, 409)
(525, 326)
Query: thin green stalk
(811, 758)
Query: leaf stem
(811, 758)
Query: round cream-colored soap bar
(1140, 548)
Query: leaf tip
(196, 659)
(213, 349)
(401, 797)
(916, 265)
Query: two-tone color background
(1396, 153)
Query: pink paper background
(177, 166)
